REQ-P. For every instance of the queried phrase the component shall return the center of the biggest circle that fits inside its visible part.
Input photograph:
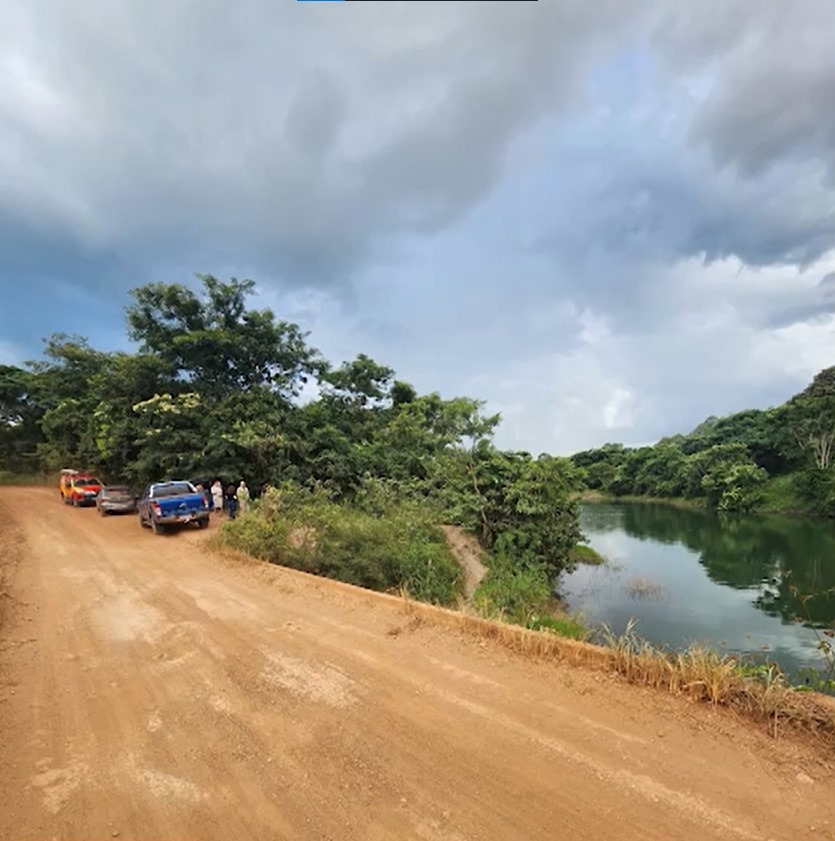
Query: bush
(583, 554)
(306, 530)
(562, 626)
(514, 593)
(816, 488)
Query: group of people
(234, 499)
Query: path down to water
(467, 551)
(151, 690)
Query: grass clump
(583, 554)
(563, 625)
(644, 589)
(396, 547)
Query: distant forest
(774, 459)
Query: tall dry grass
(698, 673)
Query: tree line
(217, 388)
(780, 457)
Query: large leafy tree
(20, 414)
(214, 343)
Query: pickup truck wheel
(142, 522)
(203, 522)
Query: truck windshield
(172, 489)
(84, 483)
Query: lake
(692, 576)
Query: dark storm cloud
(406, 152)
(304, 135)
(774, 96)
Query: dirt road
(152, 691)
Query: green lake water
(690, 576)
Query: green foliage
(521, 507)
(815, 489)
(562, 625)
(304, 529)
(734, 486)
(20, 414)
(737, 463)
(514, 592)
(582, 554)
(216, 343)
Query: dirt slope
(467, 551)
(151, 691)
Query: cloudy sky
(607, 219)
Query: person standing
(217, 495)
(232, 501)
(243, 498)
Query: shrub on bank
(522, 595)
(304, 529)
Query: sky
(608, 220)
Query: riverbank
(698, 504)
(760, 695)
(778, 496)
(513, 602)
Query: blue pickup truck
(166, 504)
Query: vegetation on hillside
(776, 459)
(369, 467)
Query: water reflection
(745, 584)
(786, 559)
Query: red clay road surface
(149, 690)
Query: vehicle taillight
(205, 502)
(157, 509)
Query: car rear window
(116, 491)
(83, 483)
(172, 489)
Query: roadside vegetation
(306, 530)
(362, 475)
(780, 459)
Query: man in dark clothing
(232, 501)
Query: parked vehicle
(165, 504)
(115, 499)
(78, 488)
(65, 481)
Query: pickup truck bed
(172, 504)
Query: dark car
(115, 499)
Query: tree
(822, 385)
(19, 418)
(812, 422)
(733, 486)
(214, 344)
